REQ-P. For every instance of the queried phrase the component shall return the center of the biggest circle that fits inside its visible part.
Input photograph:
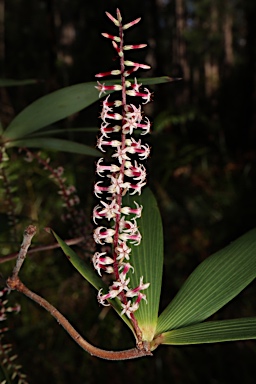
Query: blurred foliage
(202, 171)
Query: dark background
(202, 170)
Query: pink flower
(110, 210)
(103, 235)
(100, 262)
(102, 168)
(129, 308)
(103, 88)
(123, 251)
(136, 211)
(99, 189)
(136, 291)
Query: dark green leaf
(59, 105)
(89, 274)
(145, 80)
(62, 131)
(81, 266)
(157, 80)
(215, 282)
(51, 108)
(55, 145)
(212, 332)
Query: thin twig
(14, 283)
(29, 233)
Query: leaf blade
(89, 274)
(63, 131)
(55, 145)
(215, 282)
(212, 332)
(51, 108)
(60, 104)
(147, 260)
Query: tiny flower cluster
(124, 175)
(8, 363)
(4, 309)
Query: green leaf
(59, 105)
(157, 80)
(55, 145)
(215, 282)
(14, 83)
(145, 80)
(51, 108)
(212, 332)
(147, 260)
(81, 266)
(62, 131)
(89, 274)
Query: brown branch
(14, 283)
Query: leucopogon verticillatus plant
(126, 173)
(129, 237)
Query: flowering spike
(124, 174)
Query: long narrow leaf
(215, 282)
(212, 332)
(89, 274)
(59, 105)
(50, 132)
(55, 145)
(51, 108)
(147, 260)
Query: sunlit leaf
(55, 145)
(212, 332)
(215, 282)
(147, 260)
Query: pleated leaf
(215, 282)
(58, 105)
(147, 260)
(55, 145)
(212, 332)
(89, 274)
